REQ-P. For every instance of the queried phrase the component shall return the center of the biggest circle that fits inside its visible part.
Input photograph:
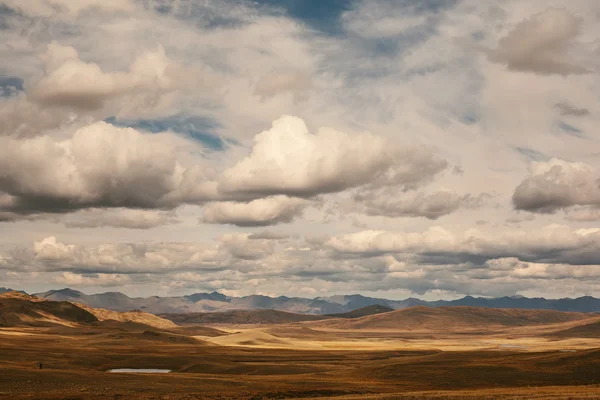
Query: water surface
(140, 370)
(513, 346)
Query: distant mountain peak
(335, 304)
(7, 290)
(214, 296)
(64, 292)
(113, 294)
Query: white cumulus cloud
(260, 212)
(289, 160)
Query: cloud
(120, 218)
(104, 166)
(557, 184)
(51, 250)
(260, 212)
(53, 8)
(583, 214)
(241, 247)
(270, 235)
(74, 83)
(517, 219)
(231, 251)
(395, 204)
(405, 71)
(91, 218)
(50, 254)
(72, 90)
(100, 166)
(541, 44)
(552, 244)
(476, 262)
(88, 280)
(289, 160)
(21, 118)
(567, 109)
(276, 82)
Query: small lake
(513, 346)
(139, 370)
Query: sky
(392, 148)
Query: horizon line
(306, 298)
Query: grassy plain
(550, 356)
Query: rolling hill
(136, 316)
(7, 290)
(362, 312)
(240, 317)
(18, 309)
(587, 330)
(454, 318)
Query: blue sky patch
(470, 118)
(531, 154)
(197, 128)
(203, 15)
(426, 6)
(571, 130)
(5, 14)
(10, 85)
(320, 15)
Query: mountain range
(217, 302)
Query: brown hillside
(17, 309)
(362, 312)
(451, 370)
(139, 317)
(586, 330)
(256, 317)
(455, 319)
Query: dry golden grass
(301, 336)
